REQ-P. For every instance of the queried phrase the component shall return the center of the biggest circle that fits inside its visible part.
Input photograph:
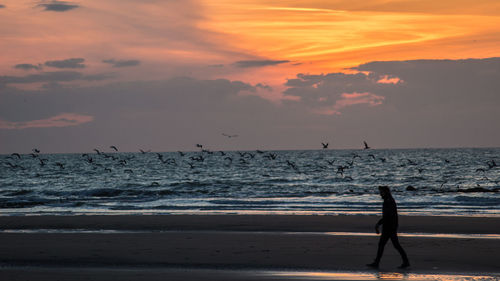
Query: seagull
(144, 152)
(181, 153)
(291, 164)
(35, 150)
(114, 147)
(325, 145)
(271, 156)
(199, 145)
(366, 145)
(61, 165)
(229, 136)
(16, 154)
(411, 162)
(372, 156)
(491, 164)
(160, 156)
(330, 162)
(97, 151)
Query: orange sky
(187, 38)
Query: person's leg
(395, 243)
(381, 244)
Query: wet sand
(192, 247)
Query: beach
(216, 247)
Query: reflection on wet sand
(299, 275)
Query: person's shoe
(404, 265)
(373, 265)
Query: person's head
(384, 190)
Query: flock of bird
(194, 159)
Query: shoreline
(291, 223)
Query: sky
(166, 75)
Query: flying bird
(97, 151)
(366, 145)
(16, 154)
(325, 145)
(114, 147)
(144, 152)
(229, 136)
(199, 145)
(35, 150)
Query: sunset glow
(261, 46)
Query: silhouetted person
(389, 222)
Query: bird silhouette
(144, 152)
(366, 145)
(114, 147)
(325, 145)
(199, 145)
(35, 150)
(97, 151)
(229, 136)
(16, 154)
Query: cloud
(55, 76)
(258, 63)
(263, 86)
(389, 80)
(58, 6)
(350, 99)
(122, 63)
(440, 104)
(2, 6)
(67, 63)
(61, 120)
(27, 66)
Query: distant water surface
(462, 182)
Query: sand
(232, 247)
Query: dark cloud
(176, 112)
(420, 103)
(122, 63)
(27, 66)
(67, 63)
(258, 63)
(2, 6)
(216, 65)
(263, 86)
(51, 77)
(58, 6)
(433, 104)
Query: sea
(429, 182)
